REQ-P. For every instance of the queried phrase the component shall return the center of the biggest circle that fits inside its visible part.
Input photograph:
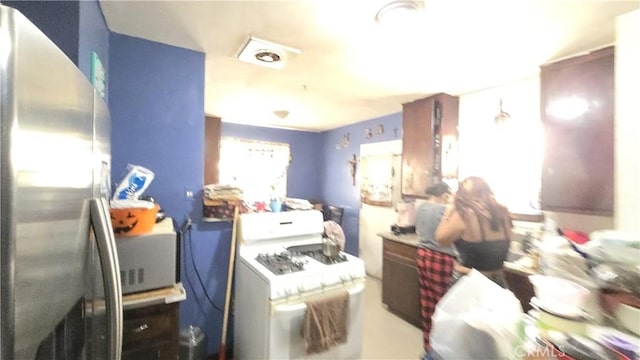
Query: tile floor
(385, 335)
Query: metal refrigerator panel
(101, 147)
(47, 176)
(95, 316)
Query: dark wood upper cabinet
(212, 132)
(424, 123)
(577, 109)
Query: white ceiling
(351, 68)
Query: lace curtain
(376, 179)
(258, 168)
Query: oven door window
(286, 340)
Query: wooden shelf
(165, 295)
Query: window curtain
(376, 181)
(258, 168)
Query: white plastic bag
(476, 319)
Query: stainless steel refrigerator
(57, 245)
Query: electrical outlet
(188, 193)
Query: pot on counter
(330, 247)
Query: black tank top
(484, 255)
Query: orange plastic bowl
(133, 221)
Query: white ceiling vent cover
(265, 53)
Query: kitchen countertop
(414, 240)
(407, 239)
(519, 268)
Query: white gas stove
(285, 250)
(280, 266)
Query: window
(509, 155)
(379, 173)
(377, 179)
(258, 168)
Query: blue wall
(76, 27)
(157, 108)
(156, 103)
(59, 20)
(336, 182)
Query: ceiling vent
(265, 53)
(399, 11)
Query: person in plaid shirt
(435, 262)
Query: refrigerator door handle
(106, 243)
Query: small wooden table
(150, 328)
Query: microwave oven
(148, 261)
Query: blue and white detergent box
(134, 183)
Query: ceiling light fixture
(398, 9)
(267, 56)
(265, 53)
(502, 116)
(281, 113)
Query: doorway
(380, 191)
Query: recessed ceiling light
(267, 56)
(398, 8)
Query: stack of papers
(298, 204)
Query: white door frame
(377, 219)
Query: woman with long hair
(480, 229)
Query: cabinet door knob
(141, 328)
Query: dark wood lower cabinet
(400, 282)
(151, 333)
(518, 283)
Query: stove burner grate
(314, 251)
(281, 263)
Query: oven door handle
(284, 308)
(300, 304)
